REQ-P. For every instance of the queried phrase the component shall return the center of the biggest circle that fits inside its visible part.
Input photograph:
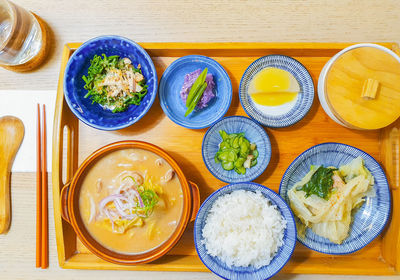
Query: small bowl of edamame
(236, 149)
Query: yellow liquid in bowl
(273, 87)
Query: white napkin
(23, 104)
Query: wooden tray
(73, 141)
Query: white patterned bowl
(246, 273)
(368, 220)
(253, 132)
(287, 114)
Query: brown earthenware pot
(70, 206)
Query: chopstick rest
(11, 135)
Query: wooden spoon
(11, 135)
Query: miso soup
(131, 201)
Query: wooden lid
(362, 88)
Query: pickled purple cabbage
(208, 94)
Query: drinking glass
(21, 36)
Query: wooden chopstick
(45, 229)
(38, 193)
(42, 223)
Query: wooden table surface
(172, 21)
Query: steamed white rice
(243, 228)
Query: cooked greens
(236, 152)
(114, 83)
(320, 184)
(324, 198)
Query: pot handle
(64, 202)
(195, 200)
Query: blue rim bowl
(304, 98)
(253, 132)
(171, 83)
(368, 221)
(220, 268)
(93, 114)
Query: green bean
(232, 156)
(196, 86)
(255, 153)
(235, 142)
(227, 165)
(224, 156)
(223, 134)
(239, 162)
(236, 152)
(216, 159)
(224, 145)
(196, 99)
(240, 170)
(244, 150)
(246, 142)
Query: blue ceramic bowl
(284, 115)
(368, 221)
(171, 84)
(253, 132)
(220, 268)
(93, 114)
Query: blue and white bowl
(286, 114)
(253, 132)
(251, 273)
(368, 221)
(171, 84)
(93, 114)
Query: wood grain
(44, 193)
(185, 146)
(391, 142)
(38, 190)
(11, 134)
(344, 88)
(208, 21)
(178, 21)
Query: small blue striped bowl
(287, 114)
(171, 83)
(368, 221)
(253, 132)
(246, 273)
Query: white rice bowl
(244, 229)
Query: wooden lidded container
(360, 87)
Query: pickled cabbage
(331, 218)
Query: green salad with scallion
(114, 83)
